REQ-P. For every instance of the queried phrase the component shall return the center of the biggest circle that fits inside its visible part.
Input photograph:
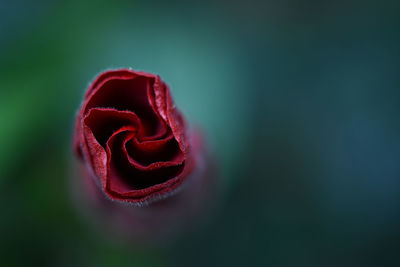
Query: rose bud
(144, 174)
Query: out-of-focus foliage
(299, 100)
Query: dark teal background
(300, 101)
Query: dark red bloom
(132, 138)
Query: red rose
(132, 139)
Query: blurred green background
(300, 101)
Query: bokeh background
(300, 101)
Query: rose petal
(175, 121)
(151, 154)
(123, 178)
(157, 98)
(103, 122)
(129, 94)
(114, 74)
